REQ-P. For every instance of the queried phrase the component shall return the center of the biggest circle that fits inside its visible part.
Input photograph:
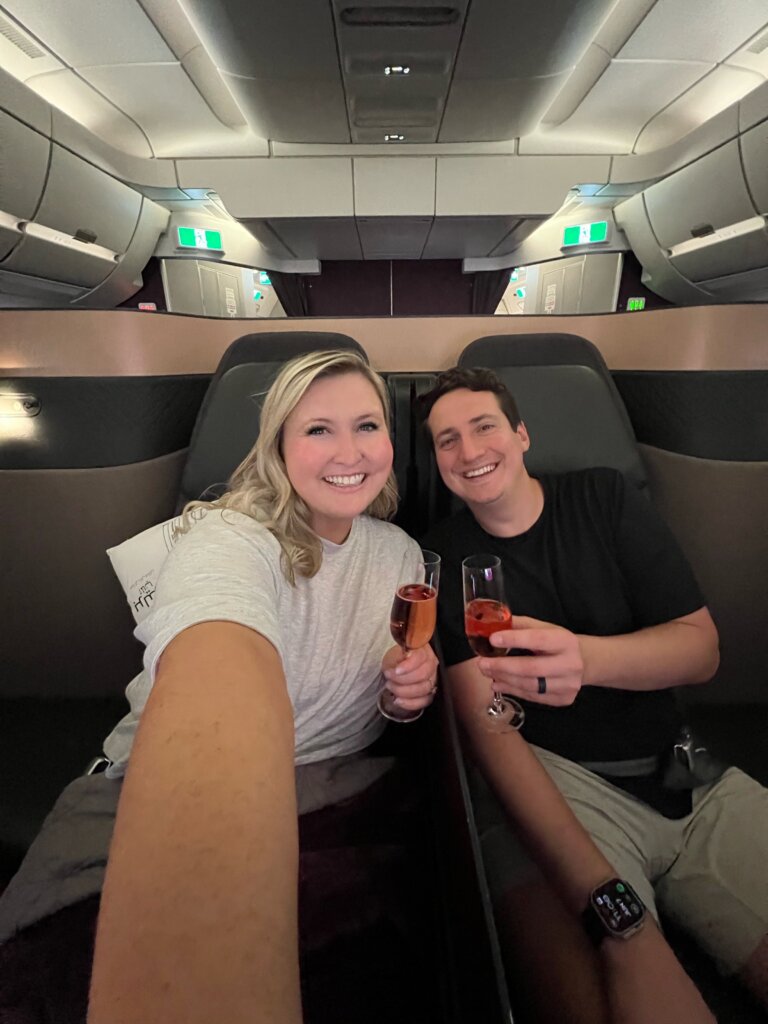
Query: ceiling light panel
(369, 43)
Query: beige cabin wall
(130, 343)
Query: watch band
(593, 926)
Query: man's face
(479, 455)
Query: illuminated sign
(264, 277)
(586, 234)
(200, 238)
(635, 304)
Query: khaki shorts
(708, 872)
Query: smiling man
(607, 620)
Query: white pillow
(137, 562)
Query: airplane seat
(567, 399)
(228, 422)
(577, 419)
(413, 462)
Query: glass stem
(497, 704)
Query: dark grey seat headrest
(228, 422)
(567, 398)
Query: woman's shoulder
(218, 529)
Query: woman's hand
(412, 677)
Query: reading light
(394, 137)
(397, 69)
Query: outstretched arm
(198, 918)
(641, 978)
(676, 653)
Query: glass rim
(481, 562)
(433, 559)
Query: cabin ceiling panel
(323, 238)
(281, 64)
(501, 41)
(525, 185)
(21, 55)
(518, 234)
(467, 237)
(265, 235)
(644, 88)
(67, 91)
(173, 114)
(409, 103)
(705, 30)
(393, 238)
(290, 111)
(84, 32)
(394, 187)
(277, 187)
(501, 90)
(493, 110)
(708, 97)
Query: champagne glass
(412, 623)
(485, 613)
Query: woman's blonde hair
(260, 487)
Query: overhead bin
(85, 221)
(22, 177)
(754, 154)
(710, 193)
(701, 233)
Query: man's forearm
(643, 981)
(199, 919)
(672, 654)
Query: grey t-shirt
(331, 631)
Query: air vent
(399, 17)
(760, 44)
(19, 39)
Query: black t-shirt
(598, 561)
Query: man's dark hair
(472, 380)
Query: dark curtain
(488, 288)
(291, 291)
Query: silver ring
(542, 684)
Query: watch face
(618, 906)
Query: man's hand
(555, 657)
(411, 678)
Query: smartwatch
(614, 910)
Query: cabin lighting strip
(743, 227)
(397, 69)
(61, 238)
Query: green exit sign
(633, 305)
(586, 234)
(200, 238)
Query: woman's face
(337, 451)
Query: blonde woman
(265, 652)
